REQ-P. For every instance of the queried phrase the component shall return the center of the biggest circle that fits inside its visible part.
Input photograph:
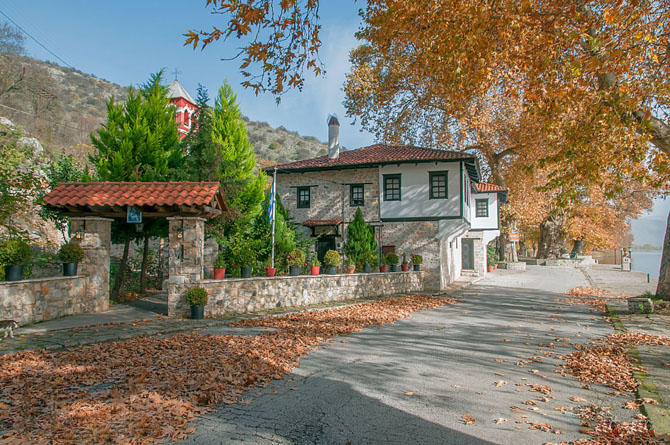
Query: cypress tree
(360, 238)
(139, 142)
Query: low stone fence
(40, 299)
(235, 296)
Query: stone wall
(418, 238)
(187, 239)
(30, 301)
(256, 294)
(330, 192)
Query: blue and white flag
(271, 206)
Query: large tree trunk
(116, 290)
(663, 289)
(551, 237)
(578, 247)
(145, 257)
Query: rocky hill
(61, 107)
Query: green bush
(349, 262)
(71, 253)
(15, 252)
(392, 259)
(196, 296)
(404, 258)
(332, 258)
(491, 254)
(315, 262)
(369, 259)
(220, 262)
(417, 259)
(296, 257)
(246, 256)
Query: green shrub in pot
(15, 254)
(332, 259)
(196, 297)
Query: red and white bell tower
(184, 107)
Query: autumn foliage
(149, 388)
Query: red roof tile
(322, 222)
(483, 187)
(375, 154)
(132, 194)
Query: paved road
(411, 382)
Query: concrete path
(411, 382)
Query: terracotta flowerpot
(405, 267)
(495, 267)
(383, 269)
(351, 269)
(315, 270)
(219, 274)
(270, 271)
(490, 268)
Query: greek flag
(271, 206)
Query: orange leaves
(149, 388)
(468, 419)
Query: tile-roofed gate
(92, 206)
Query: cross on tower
(176, 73)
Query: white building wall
(490, 222)
(415, 191)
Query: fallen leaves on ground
(468, 419)
(499, 421)
(585, 291)
(148, 388)
(500, 383)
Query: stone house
(419, 200)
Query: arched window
(186, 118)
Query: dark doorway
(468, 253)
(323, 245)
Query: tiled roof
(322, 222)
(132, 194)
(375, 154)
(175, 90)
(483, 187)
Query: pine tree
(139, 142)
(244, 189)
(360, 238)
(204, 158)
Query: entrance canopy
(153, 199)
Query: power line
(44, 118)
(36, 41)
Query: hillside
(60, 107)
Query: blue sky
(124, 41)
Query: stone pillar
(187, 239)
(96, 242)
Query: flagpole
(274, 210)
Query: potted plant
(332, 259)
(220, 267)
(246, 257)
(197, 298)
(269, 270)
(315, 266)
(416, 261)
(405, 263)
(368, 259)
(383, 267)
(392, 259)
(351, 266)
(70, 255)
(295, 259)
(15, 254)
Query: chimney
(333, 137)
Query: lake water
(647, 262)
